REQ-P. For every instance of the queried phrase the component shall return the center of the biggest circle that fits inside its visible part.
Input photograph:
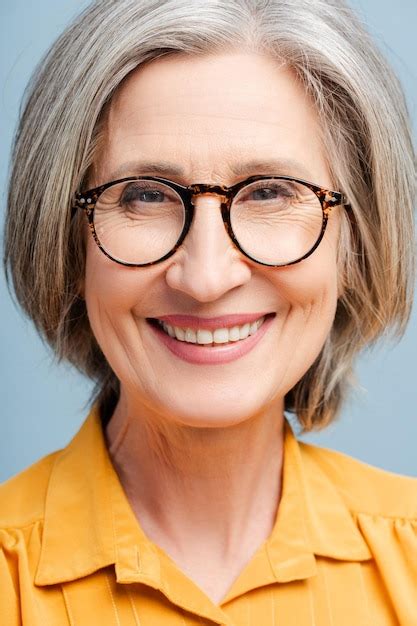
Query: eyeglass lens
(275, 221)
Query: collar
(89, 524)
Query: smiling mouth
(210, 338)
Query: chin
(215, 410)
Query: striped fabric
(343, 551)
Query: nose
(207, 265)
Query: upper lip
(211, 323)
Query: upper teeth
(219, 335)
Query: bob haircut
(365, 129)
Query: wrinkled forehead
(208, 112)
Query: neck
(186, 482)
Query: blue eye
(152, 196)
(271, 192)
(140, 194)
(264, 194)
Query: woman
(210, 214)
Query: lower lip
(208, 355)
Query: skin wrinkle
(100, 328)
(198, 449)
(294, 353)
(289, 362)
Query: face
(208, 118)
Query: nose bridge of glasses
(199, 189)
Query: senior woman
(210, 214)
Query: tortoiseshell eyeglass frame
(87, 201)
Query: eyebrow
(285, 167)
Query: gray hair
(365, 130)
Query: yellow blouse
(343, 551)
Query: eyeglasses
(273, 220)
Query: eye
(272, 191)
(142, 193)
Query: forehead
(208, 114)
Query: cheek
(312, 281)
(310, 293)
(112, 291)
(308, 300)
(107, 285)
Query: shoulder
(22, 497)
(363, 487)
(22, 506)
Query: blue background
(43, 405)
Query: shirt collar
(89, 523)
